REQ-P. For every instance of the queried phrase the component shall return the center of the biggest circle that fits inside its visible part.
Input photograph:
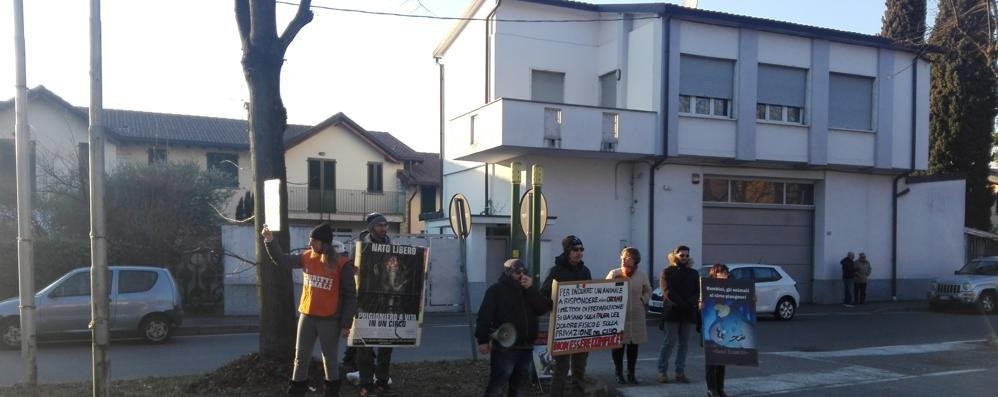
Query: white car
(775, 290)
(143, 300)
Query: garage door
(777, 236)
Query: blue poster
(728, 322)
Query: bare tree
(263, 57)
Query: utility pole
(25, 243)
(101, 340)
(514, 214)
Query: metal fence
(344, 201)
(980, 244)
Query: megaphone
(505, 335)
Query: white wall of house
(351, 154)
(929, 212)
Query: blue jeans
(847, 285)
(675, 332)
(510, 366)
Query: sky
(182, 56)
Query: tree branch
(302, 18)
(243, 20)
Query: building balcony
(510, 128)
(315, 203)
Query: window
(547, 86)
(227, 164)
(850, 102)
(611, 131)
(471, 130)
(321, 186)
(756, 191)
(782, 94)
(765, 274)
(374, 178)
(608, 90)
(552, 127)
(130, 281)
(427, 199)
(76, 285)
(157, 156)
(705, 85)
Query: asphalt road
(884, 353)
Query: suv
(142, 299)
(975, 284)
(775, 290)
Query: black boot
(632, 379)
(297, 389)
(620, 378)
(331, 388)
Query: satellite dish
(690, 3)
(505, 335)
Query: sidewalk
(210, 325)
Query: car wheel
(986, 302)
(155, 329)
(785, 309)
(10, 333)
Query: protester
(715, 373)
(639, 292)
(848, 278)
(514, 299)
(862, 275)
(680, 285)
(568, 267)
(328, 303)
(374, 368)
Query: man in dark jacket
(374, 376)
(514, 299)
(680, 285)
(568, 267)
(848, 278)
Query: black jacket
(507, 302)
(564, 271)
(683, 290)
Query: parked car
(975, 284)
(142, 299)
(775, 290)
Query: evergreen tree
(904, 21)
(962, 101)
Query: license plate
(655, 303)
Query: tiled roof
(392, 144)
(425, 171)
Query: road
(911, 353)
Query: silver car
(142, 299)
(975, 284)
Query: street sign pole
(460, 223)
(514, 215)
(535, 220)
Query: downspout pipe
(895, 194)
(440, 195)
(664, 110)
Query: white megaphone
(505, 335)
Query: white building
(747, 139)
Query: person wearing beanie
(514, 299)
(568, 267)
(328, 303)
(639, 293)
(374, 365)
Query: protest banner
(390, 283)
(587, 315)
(728, 322)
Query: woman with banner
(639, 290)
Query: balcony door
(321, 186)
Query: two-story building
(747, 139)
(337, 171)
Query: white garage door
(776, 236)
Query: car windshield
(980, 267)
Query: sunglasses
(684, 256)
(519, 271)
(578, 249)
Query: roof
(425, 171)
(694, 15)
(392, 148)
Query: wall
(930, 234)
(351, 154)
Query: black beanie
(323, 232)
(375, 218)
(569, 242)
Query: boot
(620, 378)
(297, 389)
(632, 379)
(331, 388)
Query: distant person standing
(715, 373)
(848, 278)
(680, 285)
(862, 275)
(328, 302)
(568, 267)
(638, 294)
(514, 299)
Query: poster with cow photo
(390, 283)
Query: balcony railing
(344, 201)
